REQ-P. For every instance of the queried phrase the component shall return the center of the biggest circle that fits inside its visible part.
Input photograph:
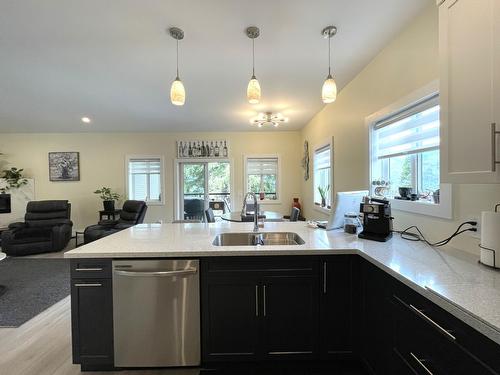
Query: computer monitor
(345, 201)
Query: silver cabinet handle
(494, 134)
(88, 269)
(426, 318)
(256, 300)
(324, 277)
(87, 285)
(421, 363)
(264, 300)
(189, 271)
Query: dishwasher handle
(188, 271)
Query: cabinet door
(375, 321)
(290, 316)
(230, 312)
(92, 321)
(467, 36)
(337, 307)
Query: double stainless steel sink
(254, 239)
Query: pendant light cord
(177, 58)
(329, 54)
(253, 57)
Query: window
(405, 149)
(262, 176)
(322, 177)
(145, 180)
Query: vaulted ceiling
(112, 60)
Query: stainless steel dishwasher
(156, 313)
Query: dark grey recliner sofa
(132, 213)
(46, 228)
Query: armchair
(132, 213)
(46, 228)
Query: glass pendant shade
(329, 90)
(177, 92)
(253, 91)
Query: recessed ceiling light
(86, 120)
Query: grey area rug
(33, 285)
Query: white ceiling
(112, 60)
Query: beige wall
(408, 63)
(102, 163)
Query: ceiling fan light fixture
(177, 90)
(329, 89)
(254, 92)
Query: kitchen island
(339, 296)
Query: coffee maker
(377, 220)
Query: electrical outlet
(477, 233)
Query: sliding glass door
(203, 185)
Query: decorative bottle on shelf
(207, 150)
(190, 150)
(203, 151)
(217, 150)
(211, 148)
(224, 150)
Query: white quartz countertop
(450, 278)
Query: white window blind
(145, 179)
(413, 130)
(322, 158)
(262, 166)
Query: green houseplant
(323, 191)
(14, 179)
(108, 197)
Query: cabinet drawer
(90, 268)
(428, 347)
(261, 265)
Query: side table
(111, 215)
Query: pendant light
(329, 90)
(177, 91)
(253, 89)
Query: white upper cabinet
(469, 38)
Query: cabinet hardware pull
(426, 318)
(324, 277)
(188, 271)
(421, 363)
(494, 134)
(88, 269)
(256, 300)
(264, 300)
(88, 285)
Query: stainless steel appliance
(156, 313)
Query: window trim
(128, 158)
(317, 147)
(445, 207)
(278, 181)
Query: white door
(467, 36)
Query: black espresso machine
(377, 220)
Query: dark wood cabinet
(290, 307)
(375, 320)
(230, 318)
(92, 321)
(338, 308)
(259, 309)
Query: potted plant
(323, 191)
(108, 197)
(14, 179)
